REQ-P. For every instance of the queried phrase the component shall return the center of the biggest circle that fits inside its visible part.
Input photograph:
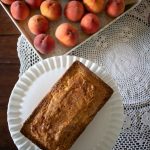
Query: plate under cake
(67, 109)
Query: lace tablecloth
(124, 50)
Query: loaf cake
(67, 109)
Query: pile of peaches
(83, 11)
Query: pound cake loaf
(67, 109)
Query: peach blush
(38, 24)
(90, 23)
(19, 10)
(51, 9)
(74, 11)
(67, 34)
(44, 43)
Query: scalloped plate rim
(73, 58)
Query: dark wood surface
(9, 70)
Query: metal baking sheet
(60, 49)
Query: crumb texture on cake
(67, 109)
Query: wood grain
(9, 70)
(6, 25)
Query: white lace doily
(124, 50)
(135, 133)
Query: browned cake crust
(67, 109)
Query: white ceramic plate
(100, 134)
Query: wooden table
(9, 70)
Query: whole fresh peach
(114, 8)
(51, 9)
(19, 10)
(38, 24)
(44, 43)
(74, 10)
(67, 34)
(94, 6)
(8, 2)
(34, 3)
(90, 23)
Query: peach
(44, 43)
(90, 23)
(8, 2)
(51, 9)
(114, 8)
(67, 34)
(19, 10)
(34, 3)
(38, 24)
(94, 6)
(74, 10)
